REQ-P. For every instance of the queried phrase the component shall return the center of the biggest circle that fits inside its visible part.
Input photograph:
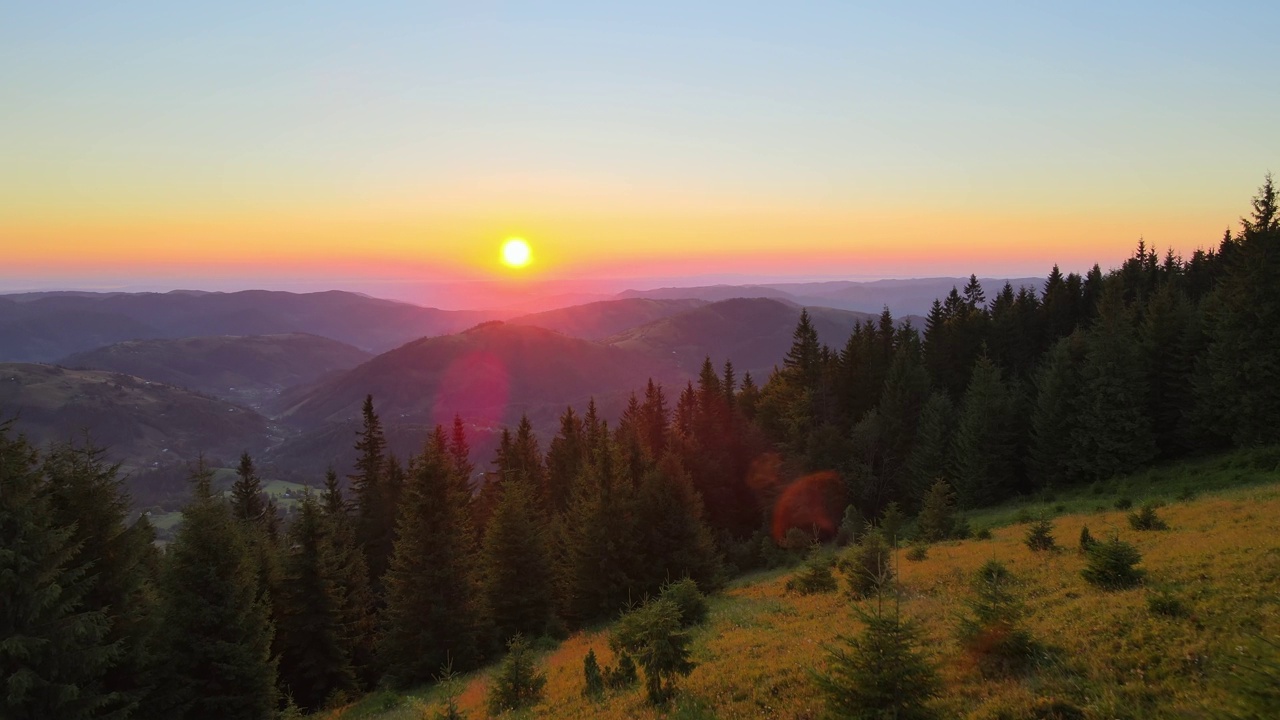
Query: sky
(385, 145)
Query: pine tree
(54, 651)
(1054, 456)
(460, 453)
(315, 660)
(375, 513)
(517, 580)
(675, 542)
(656, 638)
(518, 683)
(802, 359)
(216, 627)
(566, 456)
(930, 457)
(937, 519)
(992, 632)
(985, 440)
(85, 492)
(359, 623)
(880, 673)
(247, 501)
(432, 615)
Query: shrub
(992, 633)
(937, 518)
(689, 599)
(891, 522)
(518, 683)
(1022, 517)
(1123, 503)
(1163, 602)
(866, 566)
(918, 552)
(1187, 494)
(880, 674)
(593, 678)
(983, 534)
(1086, 540)
(850, 526)
(797, 540)
(1146, 519)
(623, 676)
(654, 636)
(1059, 508)
(813, 577)
(1110, 565)
(1040, 535)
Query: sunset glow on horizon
(351, 145)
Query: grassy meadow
(1103, 654)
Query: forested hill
(1003, 392)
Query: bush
(866, 566)
(797, 540)
(518, 683)
(1163, 602)
(992, 633)
(880, 674)
(1040, 535)
(654, 636)
(689, 599)
(594, 679)
(891, 521)
(983, 534)
(850, 526)
(813, 577)
(1123, 503)
(623, 676)
(937, 519)
(918, 552)
(1086, 540)
(1110, 565)
(1022, 517)
(1146, 519)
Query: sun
(516, 253)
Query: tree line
(411, 569)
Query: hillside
(1106, 654)
(490, 374)
(243, 369)
(143, 424)
(43, 327)
(599, 320)
(755, 333)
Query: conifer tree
(937, 519)
(460, 452)
(54, 651)
(359, 623)
(880, 674)
(315, 657)
(86, 493)
(566, 456)
(517, 578)
(247, 501)
(655, 416)
(656, 638)
(675, 541)
(1053, 455)
(375, 513)
(930, 456)
(802, 360)
(215, 624)
(985, 447)
(433, 614)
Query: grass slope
(1108, 654)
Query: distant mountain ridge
(902, 297)
(601, 319)
(44, 327)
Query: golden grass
(1108, 654)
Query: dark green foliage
(674, 540)
(867, 566)
(1123, 503)
(937, 519)
(248, 503)
(930, 457)
(518, 683)
(689, 599)
(1052, 456)
(992, 632)
(1086, 540)
(53, 650)
(623, 676)
(891, 521)
(432, 615)
(1110, 565)
(851, 524)
(982, 534)
(517, 578)
(1040, 535)
(316, 655)
(1147, 519)
(216, 624)
(593, 680)
(986, 440)
(814, 576)
(375, 500)
(880, 673)
(918, 553)
(654, 636)
(87, 493)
